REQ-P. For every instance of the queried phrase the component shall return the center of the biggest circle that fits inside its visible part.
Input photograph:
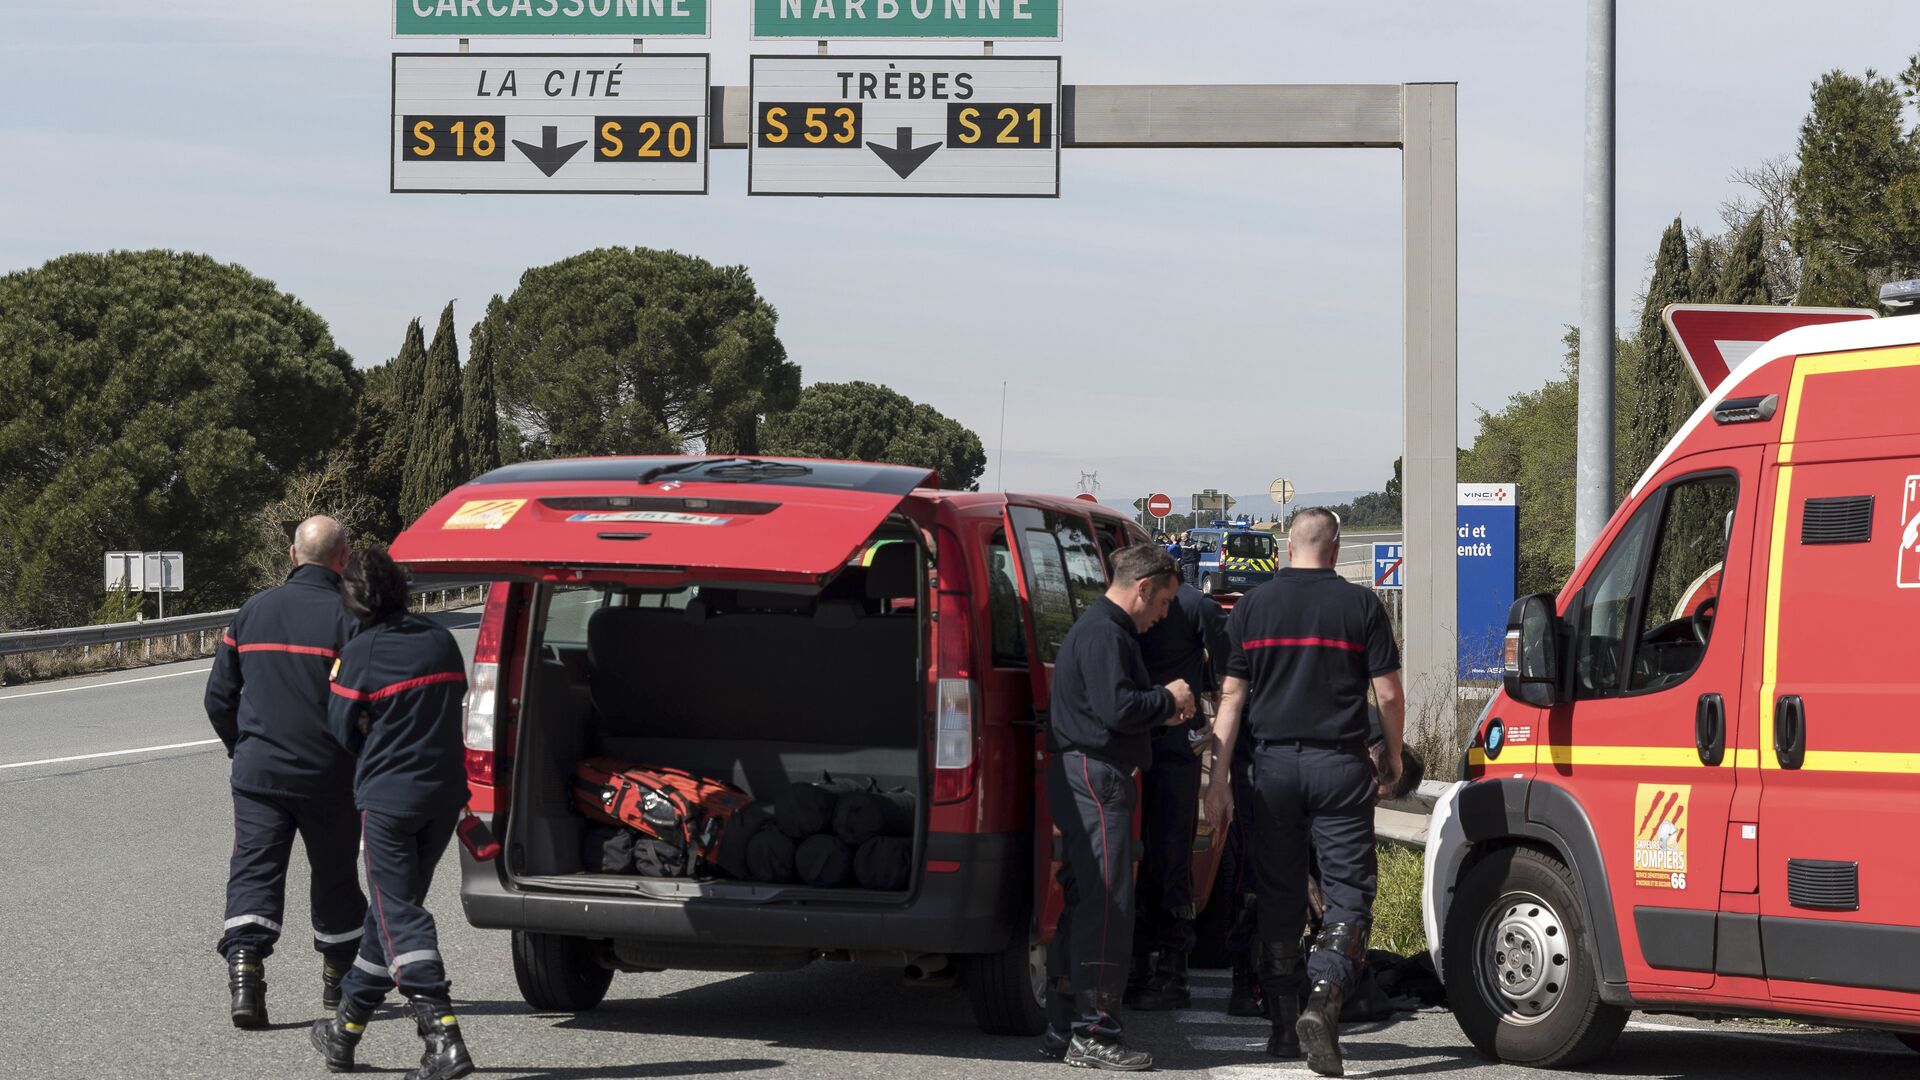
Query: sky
(1177, 320)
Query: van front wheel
(557, 973)
(1519, 967)
(1008, 988)
(1206, 584)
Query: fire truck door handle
(1710, 729)
(1790, 731)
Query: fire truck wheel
(1520, 970)
(558, 973)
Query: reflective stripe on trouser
(1092, 805)
(263, 831)
(1313, 808)
(400, 946)
(1169, 815)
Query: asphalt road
(110, 900)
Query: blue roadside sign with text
(1388, 565)
(1484, 555)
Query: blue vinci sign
(1484, 556)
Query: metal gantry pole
(1593, 500)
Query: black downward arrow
(548, 157)
(904, 158)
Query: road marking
(1197, 1016)
(108, 753)
(102, 686)
(1264, 1072)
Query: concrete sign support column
(1420, 120)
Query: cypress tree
(1663, 392)
(437, 450)
(387, 409)
(480, 409)
(1703, 280)
(1744, 279)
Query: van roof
(1806, 341)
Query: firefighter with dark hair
(267, 699)
(396, 700)
(1104, 709)
(1306, 648)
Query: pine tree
(1744, 280)
(480, 409)
(1662, 394)
(437, 449)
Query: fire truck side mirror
(1532, 651)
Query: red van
(1695, 791)
(761, 622)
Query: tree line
(162, 400)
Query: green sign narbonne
(979, 20)
(552, 18)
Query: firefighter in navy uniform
(396, 705)
(1103, 711)
(1184, 646)
(1305, 649)
(267, 699)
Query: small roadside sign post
(553, 18)
(126, 569)
(976, 20)
(550, 123)
(1389, 566)
(165, 572)
(1159, 505)
(905, 126)
(1714, 339)
(1281, 492)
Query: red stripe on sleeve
(302, 650)
(227, 639)
(1304, 642)
(416, 683)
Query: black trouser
(401, 946)
(263, 831)
(1170, 812)
(1092, 805)
(1242, 921)
(1313, 805)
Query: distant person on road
(1104, 708)
(1189, 645)
(267, 699)
(1189, 560)
(1306, 649)
(395, 705)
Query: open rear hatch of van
(760, 622)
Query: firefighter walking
(1103, 711)
(1305, 651)
(396, 707)
(267, 700)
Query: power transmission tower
(1090, 483)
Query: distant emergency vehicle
(1234, 556)
(1699, 787)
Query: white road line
(102, 686)
(1227, 1042)
(108, 753)
(1196, 1016)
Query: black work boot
(330, 976)
(1138, 973)
(446, 1053)
(247, 979)
(1245, 1000)
(1319, 1029)
(1103, 1051)
(1280, 984)
(1166, 987)
(335, 1038)
(1059, 1032)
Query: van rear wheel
(1206, 584)
(1008, 988)
(1519, 964)
(557, 973)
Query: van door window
(1003, 598)
(1086, 573)
(1600, 655)
(1683, 584)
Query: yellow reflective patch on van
(484, 514)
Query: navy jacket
(406, 677)
(267, 692)
(1103, 703)
(1190, 643)
(1309, 643)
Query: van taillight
(953, 706)
(483, 687)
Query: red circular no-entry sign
(1159, 505)
(1087, 496)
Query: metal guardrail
(27, 641)
(1404, 821)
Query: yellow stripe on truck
(1686, 757)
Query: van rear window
(1250, 545)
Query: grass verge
(1397, 923)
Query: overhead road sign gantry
(550, 123)
(976, 20)
(552, 18)
(905, 126)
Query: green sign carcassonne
(551, 18)
(1008, 20)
